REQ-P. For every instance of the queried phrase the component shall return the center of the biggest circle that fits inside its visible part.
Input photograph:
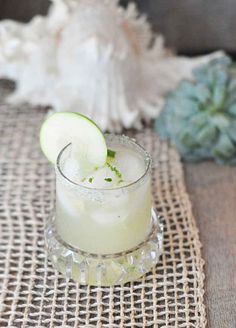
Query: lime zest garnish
(91, 179)
(111, 153)
(115, 170)
(108, 179)
(120, 181)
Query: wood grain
(212, 189)
(194, 26)
(22, 10)
(188, 26)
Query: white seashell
(93, 57)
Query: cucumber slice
(88, 142)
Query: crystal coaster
(105, 270)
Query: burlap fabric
(32, 294)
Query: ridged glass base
(105, 270)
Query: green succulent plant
(199, 117)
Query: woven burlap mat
(32, 294)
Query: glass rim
(91, 189)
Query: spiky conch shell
(93, 57)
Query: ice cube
(130, 164)
(114, 211)
(69, 202)
(101, 178)
(71, 170)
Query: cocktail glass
(104, 236)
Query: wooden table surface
(212, 189)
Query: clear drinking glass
(104, 236)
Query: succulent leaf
(199, 116)
(232, 109)
(224, 148)
(232, 131)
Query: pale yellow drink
(109, 211)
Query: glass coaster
(109, 269)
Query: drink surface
(109, 211)
(126, 167)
